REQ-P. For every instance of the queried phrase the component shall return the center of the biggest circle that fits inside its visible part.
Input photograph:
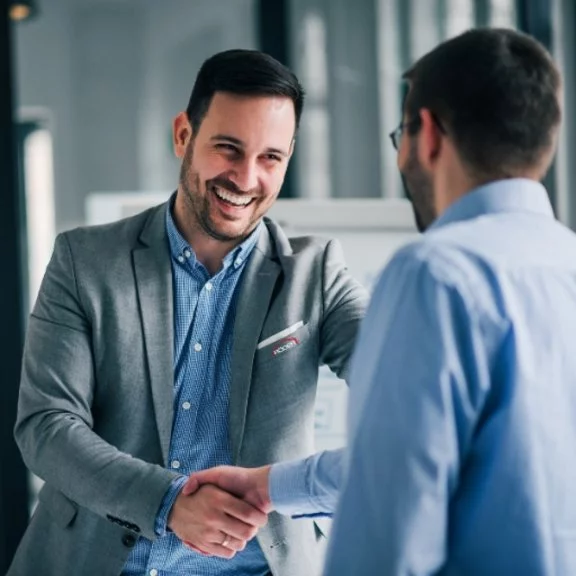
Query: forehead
(268, 120)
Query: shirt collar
(511, 195)
(181, 250)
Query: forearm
(54, 429)
(68, 455)
(57, 406)
(307, 487)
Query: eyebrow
(239, 143)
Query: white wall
(109, 75)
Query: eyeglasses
(396, 135)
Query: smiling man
(233, 172)
(186, 337)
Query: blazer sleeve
(344, 304)
(54, 427)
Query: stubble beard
(419, 190)
(198, 205)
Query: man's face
(418, 184)
(233, 168)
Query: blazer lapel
(154, 284)
(253, 303)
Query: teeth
(232, 198)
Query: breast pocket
(285, 345)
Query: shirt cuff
(164, 511)
(288, 487)
(306, 487)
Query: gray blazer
(96, 399)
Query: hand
(250, 484)
(210, 518)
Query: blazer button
(129, 540)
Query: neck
(209, 251)
(450, 186)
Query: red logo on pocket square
(285, 345)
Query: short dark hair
(242, 72)
(496, 92)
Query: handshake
(220, 509)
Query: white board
(370, 231)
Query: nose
(245, 174)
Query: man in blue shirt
(463, 384)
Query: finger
(191, 485)
(235, 544)
(222, 552)
(214, 549)
(245, 512)
(219, 551)
(232, 526)
(232, 543)
(198, 479)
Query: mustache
(226, 184)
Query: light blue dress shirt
(462, 413)
(204, 311)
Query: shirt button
(186, 405)
(197, 346)
(175, 464)
(238, 261)
(153, 572)
(180, 259)
(187, 253)
(208, 286)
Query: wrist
(263, 487)
(173, 494)
(170, 518)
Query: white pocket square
(280, 335)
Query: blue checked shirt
(204, 311)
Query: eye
(227, 147)
(273, 157)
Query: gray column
(564, 49)
(341, 124)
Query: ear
(181, 134)
(429, 141)
(291, 151)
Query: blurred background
(88, 89)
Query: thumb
(192, 547)
(191, 486)
(198, 479)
